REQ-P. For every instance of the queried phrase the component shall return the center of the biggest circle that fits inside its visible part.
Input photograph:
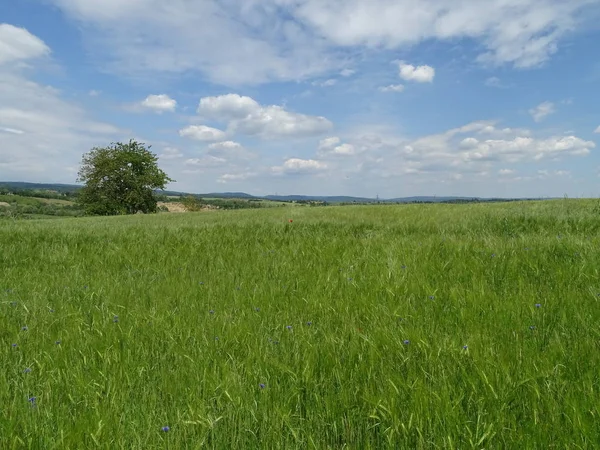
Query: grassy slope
(362, 276)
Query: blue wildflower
(211, 311)
(27, 370)
(57, 342)
(25, 328)
(261, 385)
(406, 342)
(165, 429)
(14, 345)
(309, 323)
(431, 297)
(538, 305)
(465, 347)
(289, 327)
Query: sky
(385, 98)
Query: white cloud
(470, 150)
(347, 72)
(230, 150)
(392, 88)
(159, 103)
(542, 110)
(242, 41)
(228, 107)
(170, 153)
(495, 82)
(233, 177)
(329, 142)
(505, 172)
(333, 147)
(299, 166)
(597, 130)
(11, 130)
(17, 44)
(43, 134)
(205, 162)
(94, 93)
(326, 83)
(246, 116)
(419, 74)
(202, 133)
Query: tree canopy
(120, 179)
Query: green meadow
(362, 327)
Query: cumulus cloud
(471, 150)
(333, 147)
(233, 177)
(230, 150)
(506, 172)
(542, 110)
(597, 130)
(327, 83)
(200, 165)
(170, 153)
(246, 116)
(419, 74)
(202, 133)
(43, 134)
(299, 166)
(240, 41)
(18, 44)
(392, 88)
(495, 82)
(159, 103)
(347, 72)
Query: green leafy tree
(120, 179)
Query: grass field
(412, 326)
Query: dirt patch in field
(177, 207)
(4, 205)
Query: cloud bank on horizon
(318, 97)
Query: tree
(120, 179)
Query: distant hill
(281, 198)
(40, 186)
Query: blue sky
(322, 97)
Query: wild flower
(166, 428)
(406, 342)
